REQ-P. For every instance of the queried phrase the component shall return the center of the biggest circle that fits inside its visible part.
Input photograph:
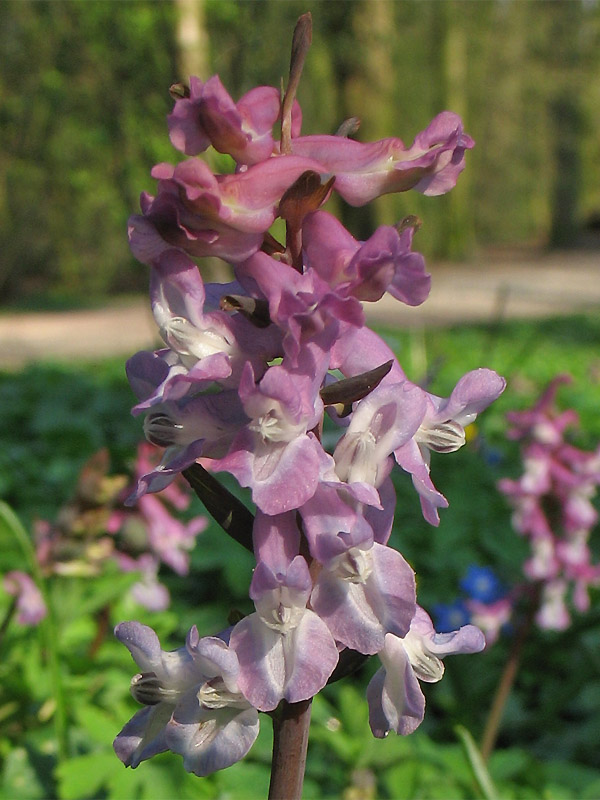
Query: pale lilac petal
(381, 519)
(282, 476)
(385, 262)
(210, 739)
(294, 666)
(213, 657)
(145, 241)
(185, 132)
(359, 614)
(472, 394)
(147, 373)
(468, 639)
(310, 658)
(143, 644)
(276, 539)
(411, 459)
(346, 609)
(362, 351)
(259, 649)
(144, 735)
(395, 586)
(334, 509)
(395, 699)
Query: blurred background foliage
(84, 97)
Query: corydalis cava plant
(248, 371)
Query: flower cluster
(553, 508)
(93, 528)
(242, 385)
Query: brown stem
(291, 723)
(10, 612)
(507, 679)
(300, 43)
(102, 623)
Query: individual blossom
(285, 650)
(396, 702)
(207, 115)
(276, 454)
(212, 215)
(442, 430)
(381, 423)
(193, 427)
(211, 345)
(364, 171)
(192, 702)
(30, 605)
(365, 270)
(363, 589)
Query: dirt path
(550, 285)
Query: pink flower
(365, 171)
(209, 116)
(31, 608)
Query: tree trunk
(192, 39)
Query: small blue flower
(451, 616)
(482, 583)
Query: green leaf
(480, 772)
(83, 776)
(244, 781)
(19, 778)
(99, 725)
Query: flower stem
(291, 724)
(507, 679)
(8, 618)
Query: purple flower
(364, 592)
(365, 270)
(204, 341)
(285, 650)
(194, 427)
(381, 423)
(275, 454)
(192, 703)
(209, 116)
(31, 608)
(310, 315)
(396, 701)
(365, 171)
(442, 430)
